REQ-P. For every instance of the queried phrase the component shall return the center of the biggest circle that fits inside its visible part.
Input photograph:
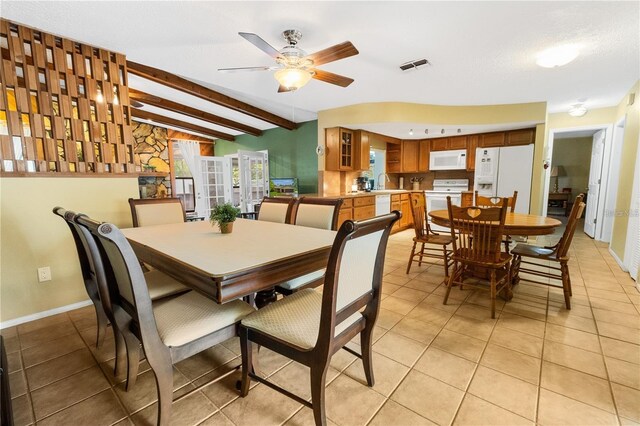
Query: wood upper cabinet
(394, 157)
(340, 149)
(410, 155)
(362, 145)
(488, 140)
(423, 161)
(440, 144)
(521, 137)
(472, 144)
(458, 142)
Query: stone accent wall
(151, 150)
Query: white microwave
(448, 160)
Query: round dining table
(514, 224)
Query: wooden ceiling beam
(179, 83)
(161, 119)
(177, 134)
(159, 102)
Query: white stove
(437, 197)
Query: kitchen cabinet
(405, 207)
(490, 140)
(440, 144)
(410, 156)
(472, 144)
(458, 142)
(346, 211)
(396, 205)
(521, 137)
(423, 161)
(362, 148)
(340, 149)
(394, 158)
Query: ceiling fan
(294, 67)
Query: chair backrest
(477, 232)
(497, 201)
(86, 264)
(156, 211)
(354, 273)
(321, 213)
(123, 276)
(567, 236)
(419, 213)
(277, 210)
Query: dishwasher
(383, 204)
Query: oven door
(438, 201)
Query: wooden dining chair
(273, 209)
(477, 249)
(558, 253)
(481, 201)
(432, 244)
(310, 327)
(159, 285)
(156, 211)
(321, 213)
(171, 330)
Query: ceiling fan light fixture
(293, 78)
(557, 56)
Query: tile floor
(434, 364)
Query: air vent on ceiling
(413, 64)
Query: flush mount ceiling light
(557, 56)
(293, 78)
(577, 110)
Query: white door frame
(611, 192)
(608, 139)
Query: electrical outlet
(44, 274)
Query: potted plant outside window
(224, 215)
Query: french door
(215, 185)
(254, 178)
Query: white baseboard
(44, 314)
(617, 259)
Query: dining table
(254, 257)
(519, 224)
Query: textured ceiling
(480, 52)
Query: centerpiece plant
(224, 215)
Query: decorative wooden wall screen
(52, 120)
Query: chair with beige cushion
(276, 210)
(558, 253)
(170, 330)
(321, 213)
(156, 211)
(309, 327)
(159, 285)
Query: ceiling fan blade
(333, 53)
(282, 89)
(247, 69)
(258, 42)
(329, 77)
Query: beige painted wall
(388, 112)
(31, 236)
(574, 155)
(627, 168)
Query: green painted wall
(292, 153)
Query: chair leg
(413, 251)
(569, 280)
(318, 376)
(133, 360)
(366, 350)
(120, 366)
(103, 323)
(247, 364)
(421, 255)
(493, 293)
(566, 286)
(450, 283)
(446, 261)
(164, 385)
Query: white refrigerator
(500, 171)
